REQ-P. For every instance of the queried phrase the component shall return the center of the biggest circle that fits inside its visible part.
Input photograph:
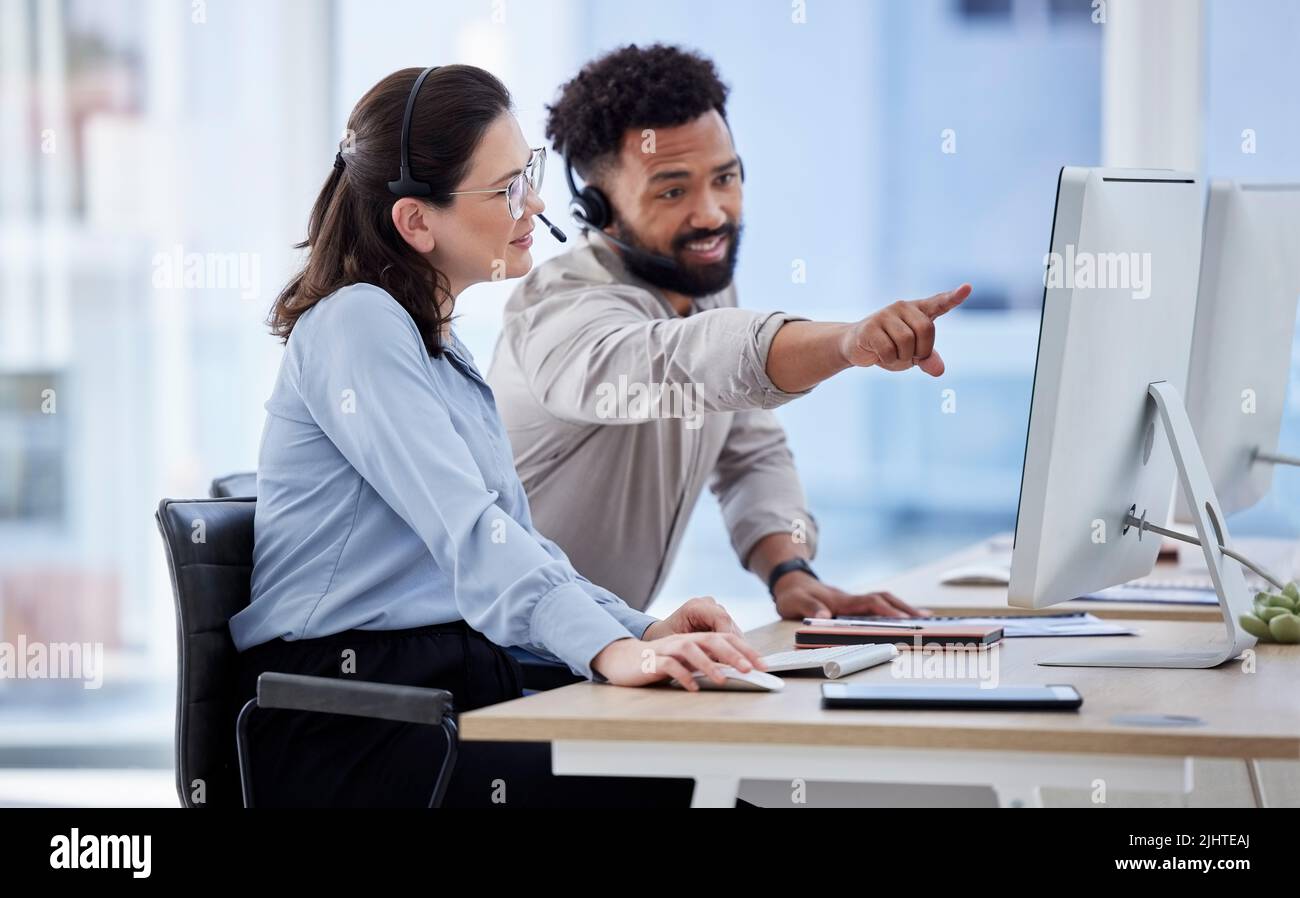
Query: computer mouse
(977, 575)
(740, 681)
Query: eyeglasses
(517, 190)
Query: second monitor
(1241, 347)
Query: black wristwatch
(785, 567)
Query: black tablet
(951, 696)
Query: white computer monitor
(1108, 433)
(1241, 345)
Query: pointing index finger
(942, 303)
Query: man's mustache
(727, 230)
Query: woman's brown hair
(350, 236)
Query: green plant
(1276, 616)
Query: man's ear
(414, 221)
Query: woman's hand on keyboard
(636, 662)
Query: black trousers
(328, 760)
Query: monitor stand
(1234, 596)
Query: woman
(393, 540)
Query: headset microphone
(555, 232)
(653, 258)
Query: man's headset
(405, 185)
(591, 208)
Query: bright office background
(131, 130)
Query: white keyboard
(1190, 581)
(835, 661)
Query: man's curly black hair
(633, 87)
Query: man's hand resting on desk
(636, 662)
(799, 595)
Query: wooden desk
(721, 738)
(921, 588)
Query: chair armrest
(358, 698)
(541, 674)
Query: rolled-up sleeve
(574, 372)
(758, 487)
(365, 382)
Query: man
(626, 374)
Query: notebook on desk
(954, 636)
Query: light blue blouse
(387, 498)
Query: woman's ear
(414, 221)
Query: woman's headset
(405, 185)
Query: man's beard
(682, 277)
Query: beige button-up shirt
(619, 411)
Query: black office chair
(541, 674)
(242, 483)
(209, 546)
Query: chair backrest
(209, 544)
(241, 483)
